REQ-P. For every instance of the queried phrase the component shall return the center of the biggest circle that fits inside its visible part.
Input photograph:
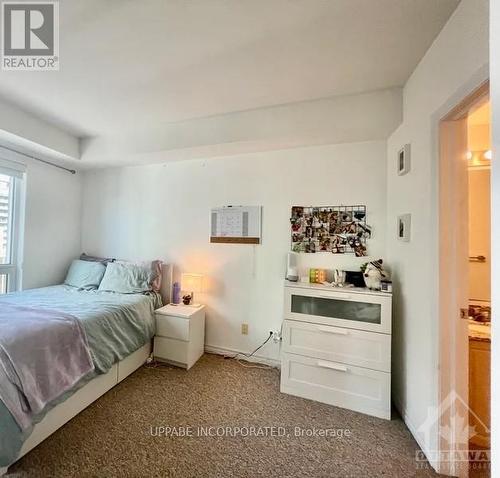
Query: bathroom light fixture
(479, 157)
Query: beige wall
(478, 137)
(479, 233)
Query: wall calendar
(236, 225)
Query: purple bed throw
(43, 354)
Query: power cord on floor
(250, 355)
(262, 366)
(155, 364)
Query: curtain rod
(72, 171)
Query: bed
(119, 328)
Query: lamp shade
(192, 282)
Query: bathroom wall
(479, 234)
(479, 139)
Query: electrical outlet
(276, 335)
(244, 329)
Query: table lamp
(192, 283)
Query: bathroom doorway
(464, 286)
(479, 158)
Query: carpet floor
(120, 435)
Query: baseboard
(413, 430)
(255, 358)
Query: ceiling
(126, 63)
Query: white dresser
(337, 347)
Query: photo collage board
(334, 229)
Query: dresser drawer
(173, 327)
(354, 310)
(359, 389)
(350, 346)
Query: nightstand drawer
(173, 327)
(350, 346)
(171, 350)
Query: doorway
(479, 157)
(464, 287)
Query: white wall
(52, 226)
(162, 211)
(455, 64)
(52, 233)
(495, 234)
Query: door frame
(450, 376)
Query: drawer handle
(333, 366)
(334, 296)
(332, 330)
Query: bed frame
(79, 401)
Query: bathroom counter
(478, 331)
(480, 383)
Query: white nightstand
(180, 334)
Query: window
(10, 205)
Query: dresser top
(347, 290)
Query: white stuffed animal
(373, 275)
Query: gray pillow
(104, 260)
(155, 269)
(126, 278)
(85, 274)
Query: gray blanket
(43, 354)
